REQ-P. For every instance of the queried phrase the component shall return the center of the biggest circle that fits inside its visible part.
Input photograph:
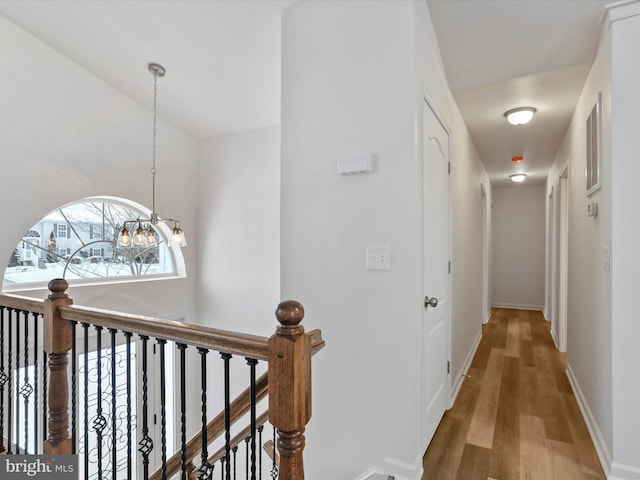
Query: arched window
(78, 242)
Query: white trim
(623, 9)
(370, 474)
(604, 455)
(624, 472)
(518, 306)
(554, 338)
(403, 471)
(465, 367)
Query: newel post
(290, 387)
(57, 343)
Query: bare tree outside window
(79, 241)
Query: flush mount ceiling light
(518, 177)
(520, 116)
(141, 231)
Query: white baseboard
(600, 445)
(555, 338)
(394, 468)
(624, 472)
(372, 474)
(457, 384)
(517, 306)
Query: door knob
(430, 302)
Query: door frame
(551, 254)
(486, 306)
(426, 101)
(562, 292)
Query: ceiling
(223, 62)
(502, 54)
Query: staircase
(105, 386)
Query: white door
(435, 273)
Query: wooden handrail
(251, 346)
(288, 353)
(22, 303)
(239, 407)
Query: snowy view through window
(79, 241)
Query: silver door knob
(430, 302)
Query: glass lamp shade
(520, 116)
(139, 238)
(151, 237)
(124, 239)
(518, 177)
(177, 238)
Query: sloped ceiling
(223, 62)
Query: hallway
(516, 417)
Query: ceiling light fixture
(518, 177)
(141, 231)
(520, 116)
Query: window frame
(175, 256)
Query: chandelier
(140, 232)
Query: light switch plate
(378, 257)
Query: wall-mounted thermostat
(592, 209)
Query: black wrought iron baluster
(10, 384)
(260, 429)
(36, 366)
(114, 444)
(227, 415)
(45, 394)
(223, 462)
(183, 411)
(85, 328)
(252, 382)
(247, 440)
(17, 380)
(146, 444)
(74, 388)
(99, 423)
(274, 463)
(204, 469)
(163, 408)
(235, 454)
(127, 335)
(26, 389)
(3, 379)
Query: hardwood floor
(516, 417)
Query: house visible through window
(79, 242)
(62, 230)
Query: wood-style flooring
(516, 417)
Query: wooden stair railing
(215, 428)
(288, 380)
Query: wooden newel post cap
(58, 287)
(289, 314)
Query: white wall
(467, 176)
(589, 327)
(625, 231)
(518, 235)
(353, 78)
(239, 244)
(66, 135)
